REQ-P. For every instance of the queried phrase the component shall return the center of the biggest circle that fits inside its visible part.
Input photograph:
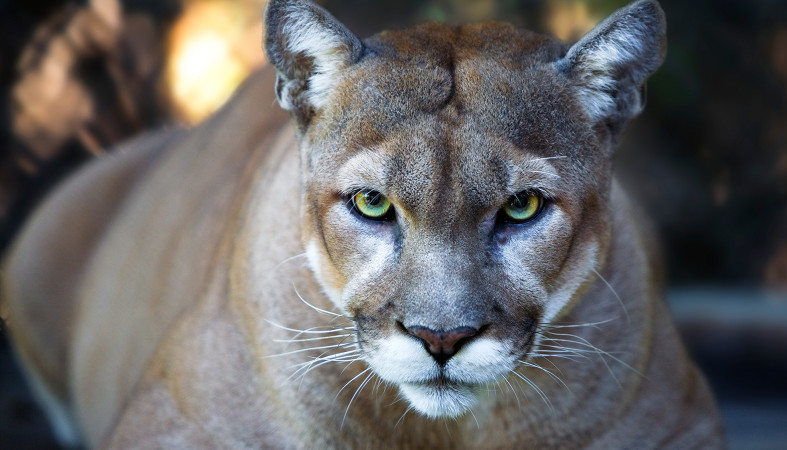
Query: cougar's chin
(440, 399)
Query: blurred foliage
(709, 155)
(75, 79)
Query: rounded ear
(611, 63)
(309, 49)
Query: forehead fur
(494, 75)
(444, 95)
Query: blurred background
(707, 160)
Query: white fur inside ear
(326, 48)
(600, 63)
(610, 63)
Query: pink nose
(442, 345)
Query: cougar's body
(223, 287)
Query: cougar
(433, 254)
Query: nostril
(443, 344)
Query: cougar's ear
(609, 65)
(309, 49)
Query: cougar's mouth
(440, 397)
(440, 390)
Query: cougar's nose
(442, 345)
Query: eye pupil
(372, 205)
(522, 207)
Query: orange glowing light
(213, 47)
(569, 20)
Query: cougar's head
(455, 181)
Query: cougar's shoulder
(83, 286)
(49, 258)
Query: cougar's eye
(522, 207)
(372, 205)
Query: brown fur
(143, 295)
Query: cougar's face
(451, 206)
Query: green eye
(372, 205)
(522, 207)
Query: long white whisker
(302, 371)
(547, 356)
(549, 157)
(301, 350)
(555, 377)
(287, 341)
(601, 355)
(583, 341)
(568, 351)
(544, 173)
(357, 391)
(351, 380)
(477, 425)
(564, 349)
(409, 408)
(300, 255)
(343, 355)
(516, 396)
(328, 358)
(535, 388)
(555, 366)
(312, 329)
(622, 305)
(320, 310)
(547, 327)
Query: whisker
(287, 341)
(546, 327)
(312, 329)
(477, 425)
(545, 349)
(585, 342)
(327, 358)
(409, 408)
(334, 357)
(300, 255)
(516, 396)
(301, 350)
(549, 157)
(554, 377)
(377, 388)
(564, 349)
(555, 366)
(622, 305)
(535, 388)
(312, 365)
(351, 380)
(574, 358)
(543, 173)
(357, 391)
(314, 307)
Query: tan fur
(148, 294)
